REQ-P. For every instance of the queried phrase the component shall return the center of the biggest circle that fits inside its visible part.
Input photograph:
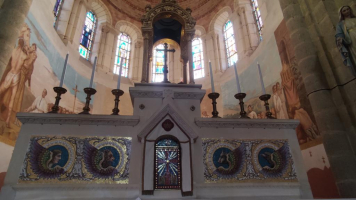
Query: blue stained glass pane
(167, 142)
(87, 34)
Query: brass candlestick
(59, 91)
(89, 92)
(240, 97)
(117, 93)
(214, 96)
(265, 98)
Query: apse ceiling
(134, 9)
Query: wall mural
(77, 159)
(28, 81)
(228, 161)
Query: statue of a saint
(346, 37)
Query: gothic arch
(220, 18)
(129, 28)
(199, 30)
(101, 11)
(168, 9)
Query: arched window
(122, 52)
(167, 164)
(56, 10)
(230, 45)
(158, 62)
(86, 41)
(257, 13)
(198, 59)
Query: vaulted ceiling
(133, 10)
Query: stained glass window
(56, 10)
(257, 13)
(86, 41)
(198, 59)
(158, 62)
(167, 164)
(122, 53)
(230, 45)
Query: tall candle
(92, 73)
(237, 80)
(262, 84)
(212, 78)
(119, 79)
(64, 70)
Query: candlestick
(59, 91)
(92, 74)
(64, 70)
(117, 93)
(119, 79)
(212, 78)
(240, 97)
(237, 80)
(89, 92)
(214, 96)
(262, 84)
(265, 98)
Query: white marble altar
(153, 104)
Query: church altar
(164, 151)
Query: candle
(119, 79)
(64, 71)
(237, 80)
(92, 74)
(212, 78)
(262, 84)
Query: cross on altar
(165, 67)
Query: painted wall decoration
(228, 161)
(29, 78)
(77, 159)
(298, 105)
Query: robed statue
(346, 37)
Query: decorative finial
(189, 10)
(148, 8)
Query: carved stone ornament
(172, 7)
(167, 125)
(192, 108)
(142, 106)
(246, 123)
(107, 120)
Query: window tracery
(56, 10)
(123, 51)
(86, 41)
(230, 43)
(198, 58)
(158, 63)
(257, 14)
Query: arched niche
(176, 131)
(167, 9)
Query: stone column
(146, 57)
(12, 17)
(190, 37)
(336, 143)
(136, 61)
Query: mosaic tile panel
(229, 161)
(52, 159)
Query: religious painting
(293, 93)
(77, 159)
(27, 83)
(167, 164)
(228, 161)
(17, 75)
